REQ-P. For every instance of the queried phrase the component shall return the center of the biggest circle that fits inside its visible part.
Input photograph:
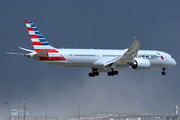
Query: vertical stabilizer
(38, 40)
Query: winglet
(128, 56)
(132, 51)
(136, 43)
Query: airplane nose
(173, 62)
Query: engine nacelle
(141, 64)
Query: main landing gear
(163, 73)
(94, 73)
(112, 72)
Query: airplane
(99, 60)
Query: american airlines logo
(149, 56)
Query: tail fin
(38, 40)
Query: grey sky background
(89, 24)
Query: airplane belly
(159, 64)
(80, 62)
(123, 66)
(57, 63)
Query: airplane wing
(128, 56)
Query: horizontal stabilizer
(26, 49)
(42, 53)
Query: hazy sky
(89, 24)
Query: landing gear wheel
(115, 72)
(163, 73)
(94, 72)
(109, 73)
(112, 72)
(91, 74)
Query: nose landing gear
(163, 73)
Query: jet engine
(141, 64)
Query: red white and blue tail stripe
(44, 50)
(38, 40)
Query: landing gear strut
(163, 73)
(94, 73)
(112, 72)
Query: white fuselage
(91, 58)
